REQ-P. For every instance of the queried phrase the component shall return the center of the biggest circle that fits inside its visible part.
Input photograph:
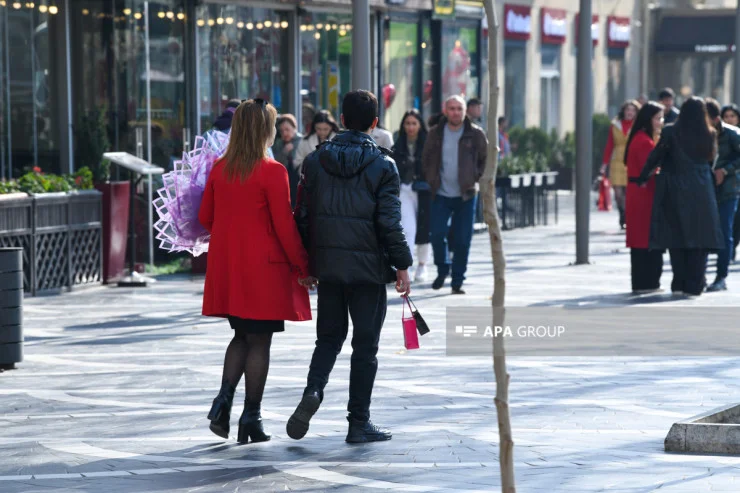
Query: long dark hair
(401, 145)
(323, 116)
(693, 130)
(644, 123)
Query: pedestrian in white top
(323, 128)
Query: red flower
(36, 169)
(78, 181)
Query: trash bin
(11, 307)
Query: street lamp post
(361, 58)
(584, 142)
(737, 54)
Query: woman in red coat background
(255, 259)
(647, 265)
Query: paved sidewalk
(116, 385)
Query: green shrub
(9, 186)
(530, 162)
(91, 134)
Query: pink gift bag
(410, 336)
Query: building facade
(169, 66)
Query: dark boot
(221, 410)
(298, 423)
(365, 431)
(250, 424)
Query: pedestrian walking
(454, 159)
(254, 245)
(503, 138)
(475, 111)
(646, 264)
(285, 149)
(685, 219)
(613, 159)
(416, 196)
(223, 122)
(382, 137)
(323, 128)
(731, 116)
(670, 113)
(349, 216)
(725, 169)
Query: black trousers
(736, 232)
(689, 267)
(647, 267)
(366, 304)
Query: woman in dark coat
(647, 265)
(685, 219)
(416, 195)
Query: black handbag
(421, 324)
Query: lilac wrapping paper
(178, 201)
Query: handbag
(421, 324)
(421, 186)
(605, 198)
(410, 337)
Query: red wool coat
(639, 201)
(255, 254)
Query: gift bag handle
(411, 303)
(407, 301)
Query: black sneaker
(717, 285)
(298, 423)
(458, 290)
(439, 282)
(366, 431)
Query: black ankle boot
(221, 410)
(297, 426)
(365, 431)
(250, 424)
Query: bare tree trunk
(490, 213)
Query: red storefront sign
(594, 28)
(617, 31)
(553, 25)
(517, 22)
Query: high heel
(250, 424)
(221, 410)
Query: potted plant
(92, 141)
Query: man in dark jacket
(454, 158)
(670, 113)
(725, 169)
(349, 217)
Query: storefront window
(515, 78)
(617, 77)
(550, 88)
(32, 71)
(109, 72)
(398, 92)
(460, 60)
(427, 84)
(242, 54)
(326, 67)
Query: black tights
(248, 354)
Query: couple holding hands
(344, 238)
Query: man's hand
(309, 282)
(719, 176)
(287, 148)
(403, 283)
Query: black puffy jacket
(349, 212)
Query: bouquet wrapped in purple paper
(178, 201)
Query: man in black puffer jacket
(349, 216)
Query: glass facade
(617, 77)
(243, 53)
(699, 75)
(31, 63)
(399, 89)
(460, 60)
(515, 82)
(550, 88)
(326, 67)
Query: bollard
(11, 307)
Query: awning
(697, 34)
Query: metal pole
(584, 143)
(737, 54)
(361, 55)
(150, 219)
(7, 95)
(68, 76)
(33, 95)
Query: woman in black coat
(685, 219)
(416, 195)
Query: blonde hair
(252, 127)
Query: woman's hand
(309, 282)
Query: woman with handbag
(416, 196)
(255, 264)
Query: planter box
(60, 234)
(527, 199)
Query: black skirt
(250, 326)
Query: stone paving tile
(116, 383)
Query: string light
(250, 26)
(220, 21)
(259, 25)
(53, 10)
(211, 22)
(17, 5)
(126, 11)
(268, 24)
(229, 20)
(138, 16)
(319, 26)
(170, 14)
(328, 27)
(303, 28)
(423, 46)
(2, 3)
(181, 16)
(85, 12)
(284, 24)
(200, 22)
(160, 14)
(317, 35)
(43, 8)
(342, 32)
(30, 5)
(309, 27)
(240, 25)
(334, 26)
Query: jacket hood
(348, 153)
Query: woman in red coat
(255, 261)
(647, 265)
